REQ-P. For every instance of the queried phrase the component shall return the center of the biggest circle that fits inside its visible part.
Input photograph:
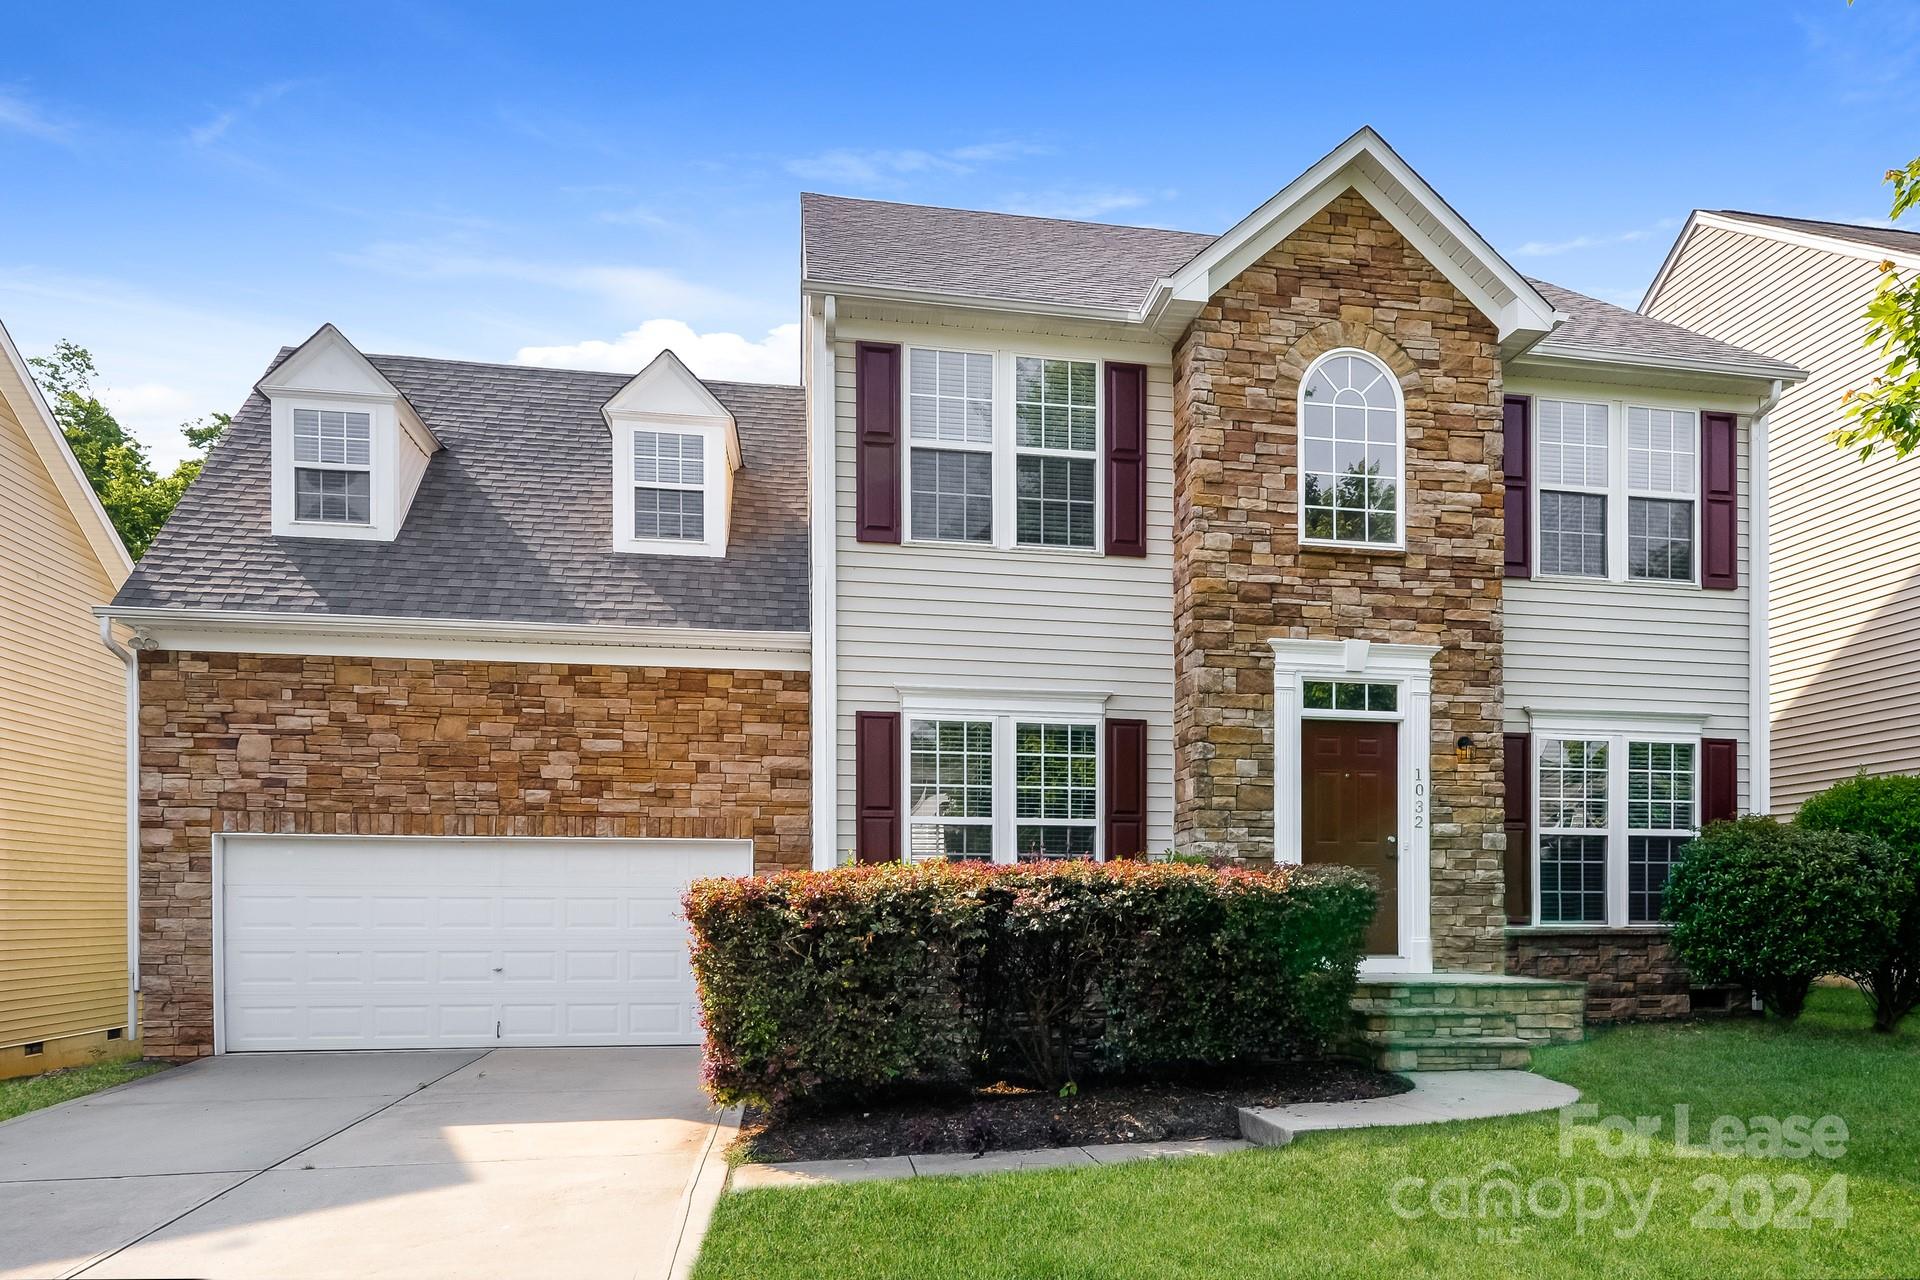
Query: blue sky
(187, 189)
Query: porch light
(1463, 749)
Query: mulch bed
(1005, 1117)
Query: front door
(1350, 814)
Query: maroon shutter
(1126, 788)
(876, 465)
(1719, 779)
(1719, 503)
(1519, 825)
(876, 785)
(1126, 459)
(1516, 454)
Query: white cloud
(1075, 204)
(875, 167)
(1553, 248)
(21, 116)
(728, 357)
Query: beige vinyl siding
(1627, 647)
(1029, 622)
(63, 834)
(1845, 582)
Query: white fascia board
(820, 315)
(1759, 378)
(255, 631)
(43, 433)
(1343, 167)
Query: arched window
(1352, 445)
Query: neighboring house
(64, 855)
(1845, 560)
(453, 674)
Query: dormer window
(675, 450)
(669, 485)
(332, 478)
(349, 451)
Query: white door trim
(1410, 666)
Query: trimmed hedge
(1887, 808)
(842, 983)
(1773, 907)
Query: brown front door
(1350, 809)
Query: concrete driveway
(507, 1162)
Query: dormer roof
(666, 391)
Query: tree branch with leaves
(137, 498)
(1887, 410)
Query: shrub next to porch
(822, 984)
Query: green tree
(137, 498)
(1887, 410)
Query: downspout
(1759, 639)
(820, 376)
(133, 822)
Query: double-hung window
(950, 437)
(1575, 475)
(1614, 812)
(1663, 470)
(1002, 787)
(669, 485)
(1618, 490)
(1056, 437)
(333, 466)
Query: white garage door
(347, 943)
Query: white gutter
(460, 628)
(1759, 638)
(822, 580)
(121, 652)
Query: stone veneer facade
(378, 746)
(1345, 278)
(1632, 975)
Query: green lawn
(30, 1093)
(1322, 1206)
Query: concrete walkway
(475, 1164)
(1437, 1097)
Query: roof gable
(29, 407)
(667, 391)
(1366, 164)
(1874, 243)
(327, 364)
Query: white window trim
(383, 498)
(318, 464)
(1411, 667)
(1616, 731)
(1003, 449)
(1399, 542)
(716, 483)
(1004, 712)
(1617, 492)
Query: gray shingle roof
(1879, 237)
(512, 523)
(1595, 328)
(985, 255)
(1011, 258)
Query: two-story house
(1331, 538)
(1844, 611)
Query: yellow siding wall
(63, 833)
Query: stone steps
(1462, 1022)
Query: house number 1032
(1419, 797)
